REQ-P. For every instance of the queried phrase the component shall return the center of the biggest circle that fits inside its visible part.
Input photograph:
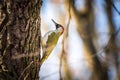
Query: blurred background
(89, 49)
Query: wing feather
(50, 43)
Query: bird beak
(54, 22)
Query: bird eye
(57, 25)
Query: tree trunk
(19, 39)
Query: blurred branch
(108, 44)
(84, 23)
(111, 52)
(112, 36)
(64, 53)
(112, 3)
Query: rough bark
(19, 39)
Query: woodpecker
(50, 40)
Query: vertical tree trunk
(19, 39)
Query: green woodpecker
(50, 40)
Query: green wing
(51, 43)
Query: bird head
(58, 26)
